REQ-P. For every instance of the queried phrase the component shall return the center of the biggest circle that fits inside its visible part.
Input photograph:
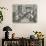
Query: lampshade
(7, 28)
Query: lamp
(7, 28)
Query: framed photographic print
(25, 13)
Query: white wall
(21, 29)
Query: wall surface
(23, 29)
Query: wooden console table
(23, 42)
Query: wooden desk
(25, 42)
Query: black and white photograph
(25, 13)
